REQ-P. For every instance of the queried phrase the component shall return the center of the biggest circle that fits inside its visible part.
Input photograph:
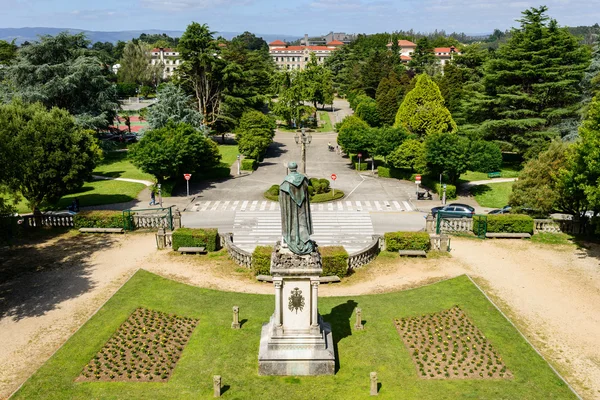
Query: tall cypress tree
(531, 86)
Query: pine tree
(422, 111)
(423, 59)
(531, 88)
(387, 97)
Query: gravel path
(551, 293)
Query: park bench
(494, 174)
(101, 230)
(323, 279)
(412, 253)
(504, 235)
(197, 250)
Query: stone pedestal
(296, 341)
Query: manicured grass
(506, 171)
(553, 238)
(324, 116)
(116, 165)
(229, 153)
(216, 349)
(317, 198)
(492, 195)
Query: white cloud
(184, 5)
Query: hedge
(387, 172)
(363, 166)
(188, 237)
(335, 261)
(98, 219)
(261, 260)
(507, 223)
(395, 241)
(249, 164)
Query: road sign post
(444, 195)
(359, 157)
(333, 178)
(238, 160)
(418, 182)
(187, 180)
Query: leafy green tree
(386, 139)
(354, 136)
(485, 156)
(423, 59)
(317, 86)
(46, 153)
(161, 38)
(173, 150)
(530, 91)
(409, 155)
(173, 105)
(388, 96)
(367, 111)
(105, 51)
(448, 154)
(422, 111)
(136, 66)
(254, 134)
(60, 71)
(8, 52)
(541, 185)
(250, 41)
(290, 95)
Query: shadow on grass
(110, 174)
(41, 272)
(86, 200)
(339, 318)
(480, 189)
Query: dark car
(454, 211)
(462, 205)
(503, 210)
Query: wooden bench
(101, 230)
(412, 253)
(494, 175)
(197, 250)
(323, 279)
(503, 235)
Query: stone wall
(61, 221)
(366, 255)
(241, 257)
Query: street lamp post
(304, 139)
(159, 195)
(238, 162)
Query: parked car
(454, 211)
(503, 210)
(462, 205)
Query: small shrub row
(395, 241)
(388, 172)
(98, 219)
(249, 164)
(506, 223)
(319, 185)
(335, 261)
(325, 197)
(188, 237)
(261, 260)
(363, 166)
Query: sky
(294, 17)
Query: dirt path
(551, 293)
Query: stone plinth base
(308, 354)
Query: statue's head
(293, 167)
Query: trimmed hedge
(450, 190)
(506, 223)
(188, 237)
(98, 219)
(395, 241)
(249, 164)
(387, 172)
(363, 166)
(335, 261)
(261, 260)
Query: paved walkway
(107, 178)
(467, 185)
(343, 205)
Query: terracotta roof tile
(335, 43)
(277, 43)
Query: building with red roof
(296, 57)
(443, 54)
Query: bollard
(359, 326)
(236, 318)
(374, 384)
(217, 385)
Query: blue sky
(288, 17)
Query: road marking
(244, 205)
(206, 206)
(378, 206)
(225, 205)
(216, 205)
(263, 205)
(397, 205)
(272, 207)
(407, 205)
(234, 206)
(253, 206)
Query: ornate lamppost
(303, 139)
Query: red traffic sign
(418, 178)
(359, 155)
(333, 176)
(187, 176)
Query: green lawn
(492, 195)
(324, 116)
(116, 165)
(506, 171)
(216, 349)
(229, 153)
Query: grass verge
(506, 171)
(317, 198)
(116, 165)
(216, 349)
(229, 153)
(327, 127)
(493, 195)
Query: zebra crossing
(350, 229)
(343, 205)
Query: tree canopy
(173, 105)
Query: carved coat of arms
(296, 301)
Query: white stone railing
(547, 225)
(241, 257)
(449, 225)
(35, 221)
(366, 255)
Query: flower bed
(446, 345)
(145, 348)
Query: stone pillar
(176, 219)
(277, 282)
(374, 384)
(236, 318)
(430, 223)
(161, 239)
(314, 327)
(217, 385)
(358, 325)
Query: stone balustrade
(547, 226)
(150, 221)
(366, 255)
(239, 256)
(36, 221)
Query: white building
(167, 57)
(443, 54)
(296, 57)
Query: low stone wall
(450, 225)
(241, 257)
(546, 225)
(36, 221)
(366, 255)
